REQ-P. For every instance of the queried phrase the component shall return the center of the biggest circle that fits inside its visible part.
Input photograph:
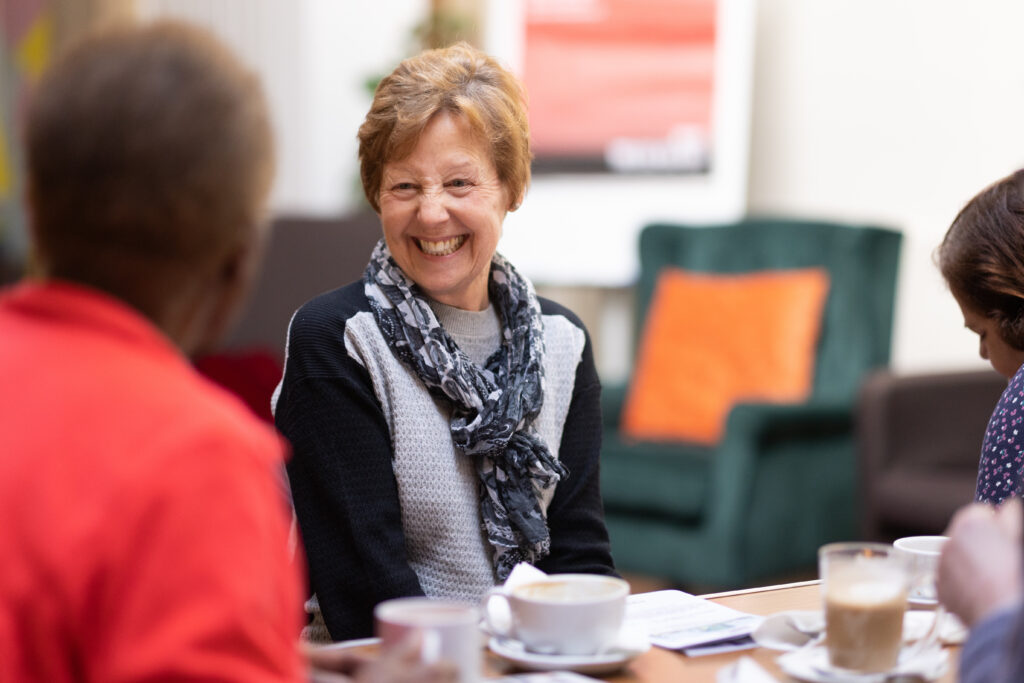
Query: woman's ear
(516, 202)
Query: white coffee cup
(448, 631)
(922, 555)
(565, 614)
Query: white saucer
(812, 664)
(922, 603)
(513, 651)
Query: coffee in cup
(865, 588)
(448, 631)
(565, 614)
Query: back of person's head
(461, 80)
(149, 159)
(982, 256)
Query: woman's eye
(458, 182)
(402, 186)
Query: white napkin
(632, 639)
(744, 670)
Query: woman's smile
(443, 247)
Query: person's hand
(980, 567)
(1010, 518)
(401, 664)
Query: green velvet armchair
(782, 481)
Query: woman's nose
(432, 208)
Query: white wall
(315, 57)
(589, 224)
(892, 111)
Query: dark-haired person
(143, 514)
(982, 261)
(445, 420)
(979, 572)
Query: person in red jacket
(145, 520)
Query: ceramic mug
(448, 631)
(922, 553)
(564, 614)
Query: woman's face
(1005, 359)
(442, 208)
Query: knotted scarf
(493, 408)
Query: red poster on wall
(620, 85)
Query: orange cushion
(712, 340)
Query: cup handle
(497, 629)
(928, 640)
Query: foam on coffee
(864, 623)
(566, 591)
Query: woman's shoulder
(564, 332)
(336, 305)
(553, 308)
(1016, 382)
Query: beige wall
(895, 112)
(887, 111)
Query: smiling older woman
(444, 419)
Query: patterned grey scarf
(493, 407)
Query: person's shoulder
(216, 415)
(188, 418)
(549, 307)
(565, 335)
(1016, 384)
(337, 304)
(328, 313)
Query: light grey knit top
(437, 484)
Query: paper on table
(676, 620)
(721, 646)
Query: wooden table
(658, 665)
(665, 666)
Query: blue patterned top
(1002, 452)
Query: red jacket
(143, 516)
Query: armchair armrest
(928, 421)
(751, 427)
(752, 423)
(921, 431)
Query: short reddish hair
(459, 79)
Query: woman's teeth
(442, 248)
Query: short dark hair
(145, 144)
(982, 256)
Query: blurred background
(701, 112)
(850, 110)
